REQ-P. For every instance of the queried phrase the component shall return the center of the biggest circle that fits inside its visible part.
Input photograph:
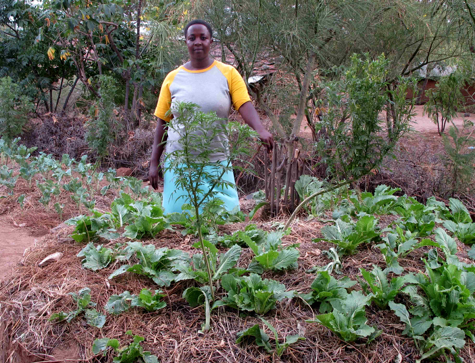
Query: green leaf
(94, 318)
(267, 259)
(96, 258)
(227, 261)
(194, 296)
(444, 338)
(447, 243)
(118, 303)
(61, 316)
(198, 296)
(471, 253)
(164, 278)
(148, 301)
(256, 208)
(460, 213)
(100, 345)
(121, 270)
(256, 334)
(286, 259)
(252, 245)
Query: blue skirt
(174, 197)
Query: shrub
(103, 127)
(14, 109)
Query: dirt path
(13, 242)
(423, 123)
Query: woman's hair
(202, 22)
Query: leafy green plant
(459, 158)
(445, 99)
(269, 253)
(191, 163)
(136, 186)
(157, 264)
(443, 338)
(308, 185)
(258, 335)
(103, 127)
(151, 302)
(213, 214)
(348, 318)
(187, 219)
(458, 212)
(251, 293)
(465, 232)
(325, 288)
(395, 246)
(353, 144)
(14, 108)
(257, 235)
(379, 203)
(196, 296)
(47, 188)
(7, 178)
(382, 292)
(87, 228)
(127, 354)
(83, 302)
(333, 266)
(140, 218)
(449, 292)
(147, 220)
(443, 241)
(349, 236)
(220, 264)
(416, 218)
(96, 258)
(444, 310)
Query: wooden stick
(242, 171)
(272, 179)
(266, 176)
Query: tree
(27, 57)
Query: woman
(213, 86)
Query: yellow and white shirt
(213, 89)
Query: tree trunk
(59, 94)
(135, 100)
(69, 95)
(51, 99)
(291, 142)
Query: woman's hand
(267, 139)
(155, 174)
(251, 117)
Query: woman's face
(198, 41)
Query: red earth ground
(15, 238)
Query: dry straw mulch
(172, 334)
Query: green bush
(14, 109)
(103, 126)
(353, 142)
(445, 99)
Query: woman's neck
(198, 64)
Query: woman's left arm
(250, 116)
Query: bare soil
(14, 241)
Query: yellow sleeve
(237, 89)
(165, 98)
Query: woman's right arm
(159, 140)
